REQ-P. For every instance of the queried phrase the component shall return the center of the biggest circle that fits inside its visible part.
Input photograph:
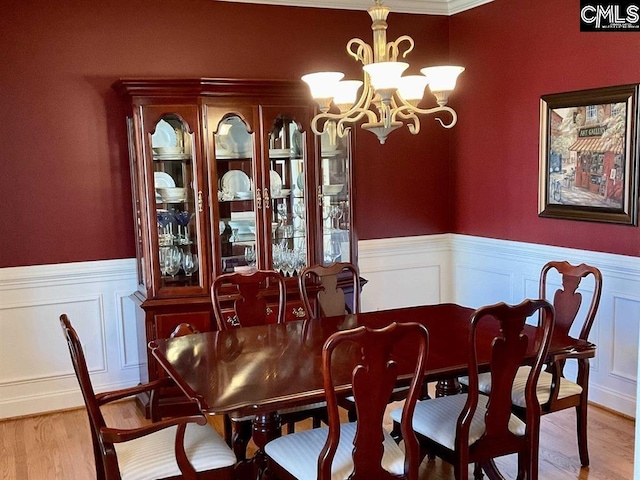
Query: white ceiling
(427, 7)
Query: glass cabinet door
(333, 193)
(176, 201)
(287, 209)
(237, 195)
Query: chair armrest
(114, 395)
(118, 435)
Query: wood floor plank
(58, 446)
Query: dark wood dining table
(260, 370)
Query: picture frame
(589, 155)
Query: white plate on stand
(164, 136)
(235, 181)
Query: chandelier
(394, 97)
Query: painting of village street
(586, 159)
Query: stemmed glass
(183, 218)
(299, 210)
(336, 215)
(165, 235)
(172, 261)
(189, 263)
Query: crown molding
(420, 7)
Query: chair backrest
(96, 420)
(508, 353)
(240, 299)
(373, 379)
(331, 299)
(567, 300)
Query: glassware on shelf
(299, 210)
(336, 214)
(172, 261)
(182, 219)
(333, 252)
(165, 228)
(189, 263)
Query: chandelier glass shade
(387, 99)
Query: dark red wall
(516, 51)
(64, 169)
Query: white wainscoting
(36, 373)
(476, 271)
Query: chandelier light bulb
(346, 93)
(323, 84)
(411, 87)
(385, 75)
(442, 78)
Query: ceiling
(426, 7)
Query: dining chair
(362, 449)
(184, 447)
(555, 392)
(474, 428)
(322, 294)
(241, 300)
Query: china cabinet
(227, 176)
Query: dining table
(256, 371)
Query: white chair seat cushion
(543, 390)
(436, 419)
(153, 456)
(303, 408)
(298, 453)
(351, 399)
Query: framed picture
(589, 155)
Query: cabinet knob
(258, 199)
(299, 312)
(320, 197)
(200, 202)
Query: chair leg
(227, 429)
(477, 472)
(241, 436)
(581, 424)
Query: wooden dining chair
(241, 300)
(322, 294)
(184, 447)
(555, 392)
(474, 428)
(363, 449)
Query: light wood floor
(58, 446)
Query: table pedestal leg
(266, 427)
(448, 387)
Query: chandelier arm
(414, 127)
(363, 52)
(434, 110)
(393, 48)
